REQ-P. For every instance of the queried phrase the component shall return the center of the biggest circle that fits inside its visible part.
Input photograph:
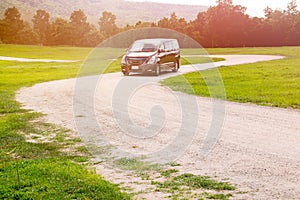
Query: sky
(254, 7)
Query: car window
(162, 46)
(144, 47)
(168, 45)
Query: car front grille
(136, 61)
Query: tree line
(223, 25)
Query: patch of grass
(271, 83)
(218, 196)
(44, 52)
(193, 182)
(139, 167)
(190, 186)
(174, 164)
(43, 169)
(53, 179)
(198, 60)
(168, 172)
(135, 164)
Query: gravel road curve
(257, 150)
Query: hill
(126, 12)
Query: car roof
(155, 40)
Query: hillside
(126, 12)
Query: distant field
(272, 83)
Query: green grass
(168, 172)
(271, 83)
(53, 178)
(218, 196)
(198, 60)
(136, 165)
(186, 184)
(193, 182)
(41, 52)
(43, 170)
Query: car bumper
(140, 68)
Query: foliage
(223, 25)
(41, 24)
(11, 26)
(107, 24)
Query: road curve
(257, 148)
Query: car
(151, 55)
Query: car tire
(176, 66)
(126, 73)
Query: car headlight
(152, 60)
(124, 60)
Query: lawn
(42, 170)
(272, 83)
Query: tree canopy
(223, 25)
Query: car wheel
(176, 67)
(126, 73)
(157, 70)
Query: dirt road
(256, 148)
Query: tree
(141, 24)
(107, 24)
(173, 23)
(28, 36)
(293, 18)
(93, 37)
(196, 29)
(79, 27)
(41, 25)
(226, 24)
(11, 25)
(60, 32)
(283, 25)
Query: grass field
(272, 83)
(45, 171)
(42, 170)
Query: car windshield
(143, 47)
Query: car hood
(140, 54)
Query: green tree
(59, 32)
(293, 18)
(28, 36)
(226, 24)
(93, 37)
(41, 25)
(173, 23)
(11, 25)
(107, 24)
(79, 27)
(196, 29)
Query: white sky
(254, 7)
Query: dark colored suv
(152, 55)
